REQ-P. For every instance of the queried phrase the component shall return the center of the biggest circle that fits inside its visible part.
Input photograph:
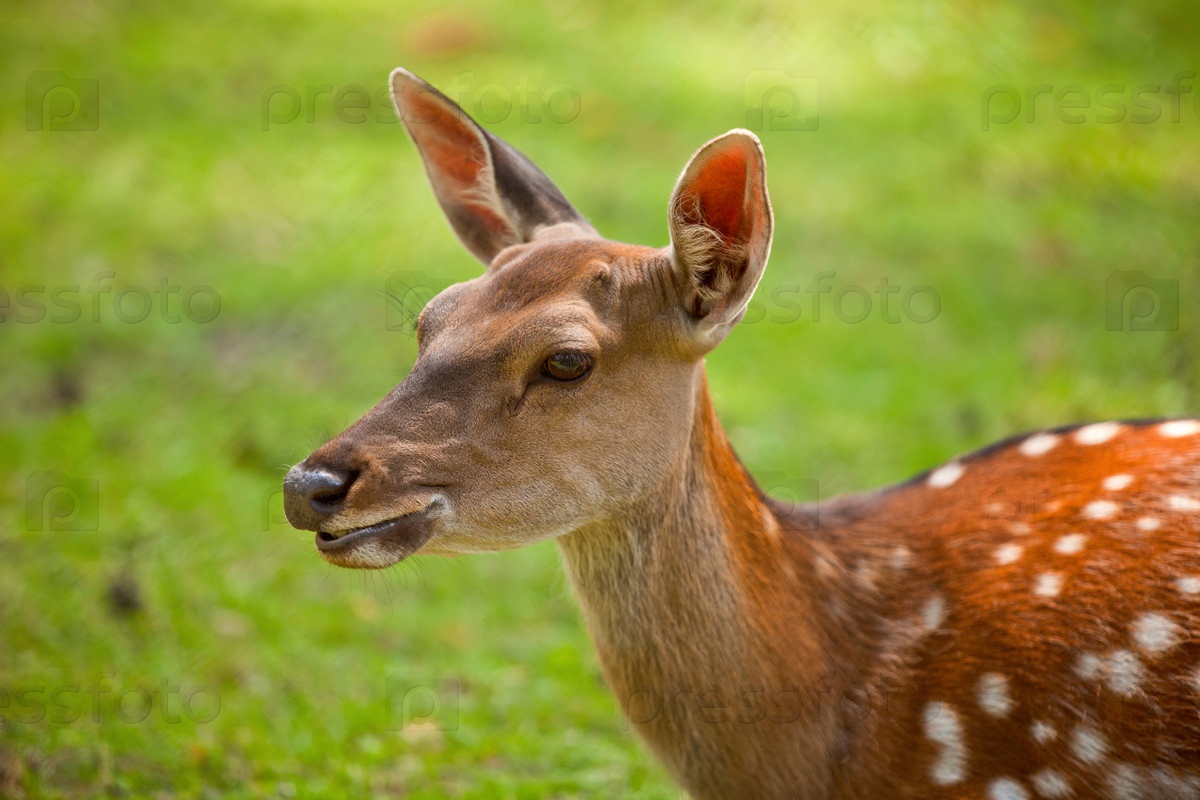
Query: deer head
(559, 386)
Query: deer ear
(492, 195)
(720, 220)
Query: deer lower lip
(400, 537)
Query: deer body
(1011, 643)
(1022, 622)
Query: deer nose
(312, 495)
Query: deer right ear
(720, 220)
(492, 195)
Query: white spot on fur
(1100, 509)
(1124, 673)
(1191, 781)
(1129, 782)
(1049, 584)
(946, 476)
(1177, 428)
(1038, 445)
(1020, 528)
(1088, 745)
(1155, 633)
(943, 727)
(901, 558)
(1097, 434)
(1008, 553)
(770, 524)
(1070, 544)
(1182, 502)
(1125, 784)
(1149, 523)
(1050, 784)
(993, 694)
(934, 613)
(1188, 585)
(826, 569)
(1196, 679)
(1007, 789)
(1116, 483)
(864, 575)
(1089, 666)
(1043, 732)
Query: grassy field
(168, 635)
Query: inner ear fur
(721, 224)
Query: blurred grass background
(188, 573)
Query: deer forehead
(546, 270)
(565, 290)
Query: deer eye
(567, 366)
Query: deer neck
(681, 593)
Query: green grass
(191, 578)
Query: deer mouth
(376, 546)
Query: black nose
(312, 495)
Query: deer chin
(380, 545)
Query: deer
(1019, 622)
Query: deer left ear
(720, 221)
(493, 195)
